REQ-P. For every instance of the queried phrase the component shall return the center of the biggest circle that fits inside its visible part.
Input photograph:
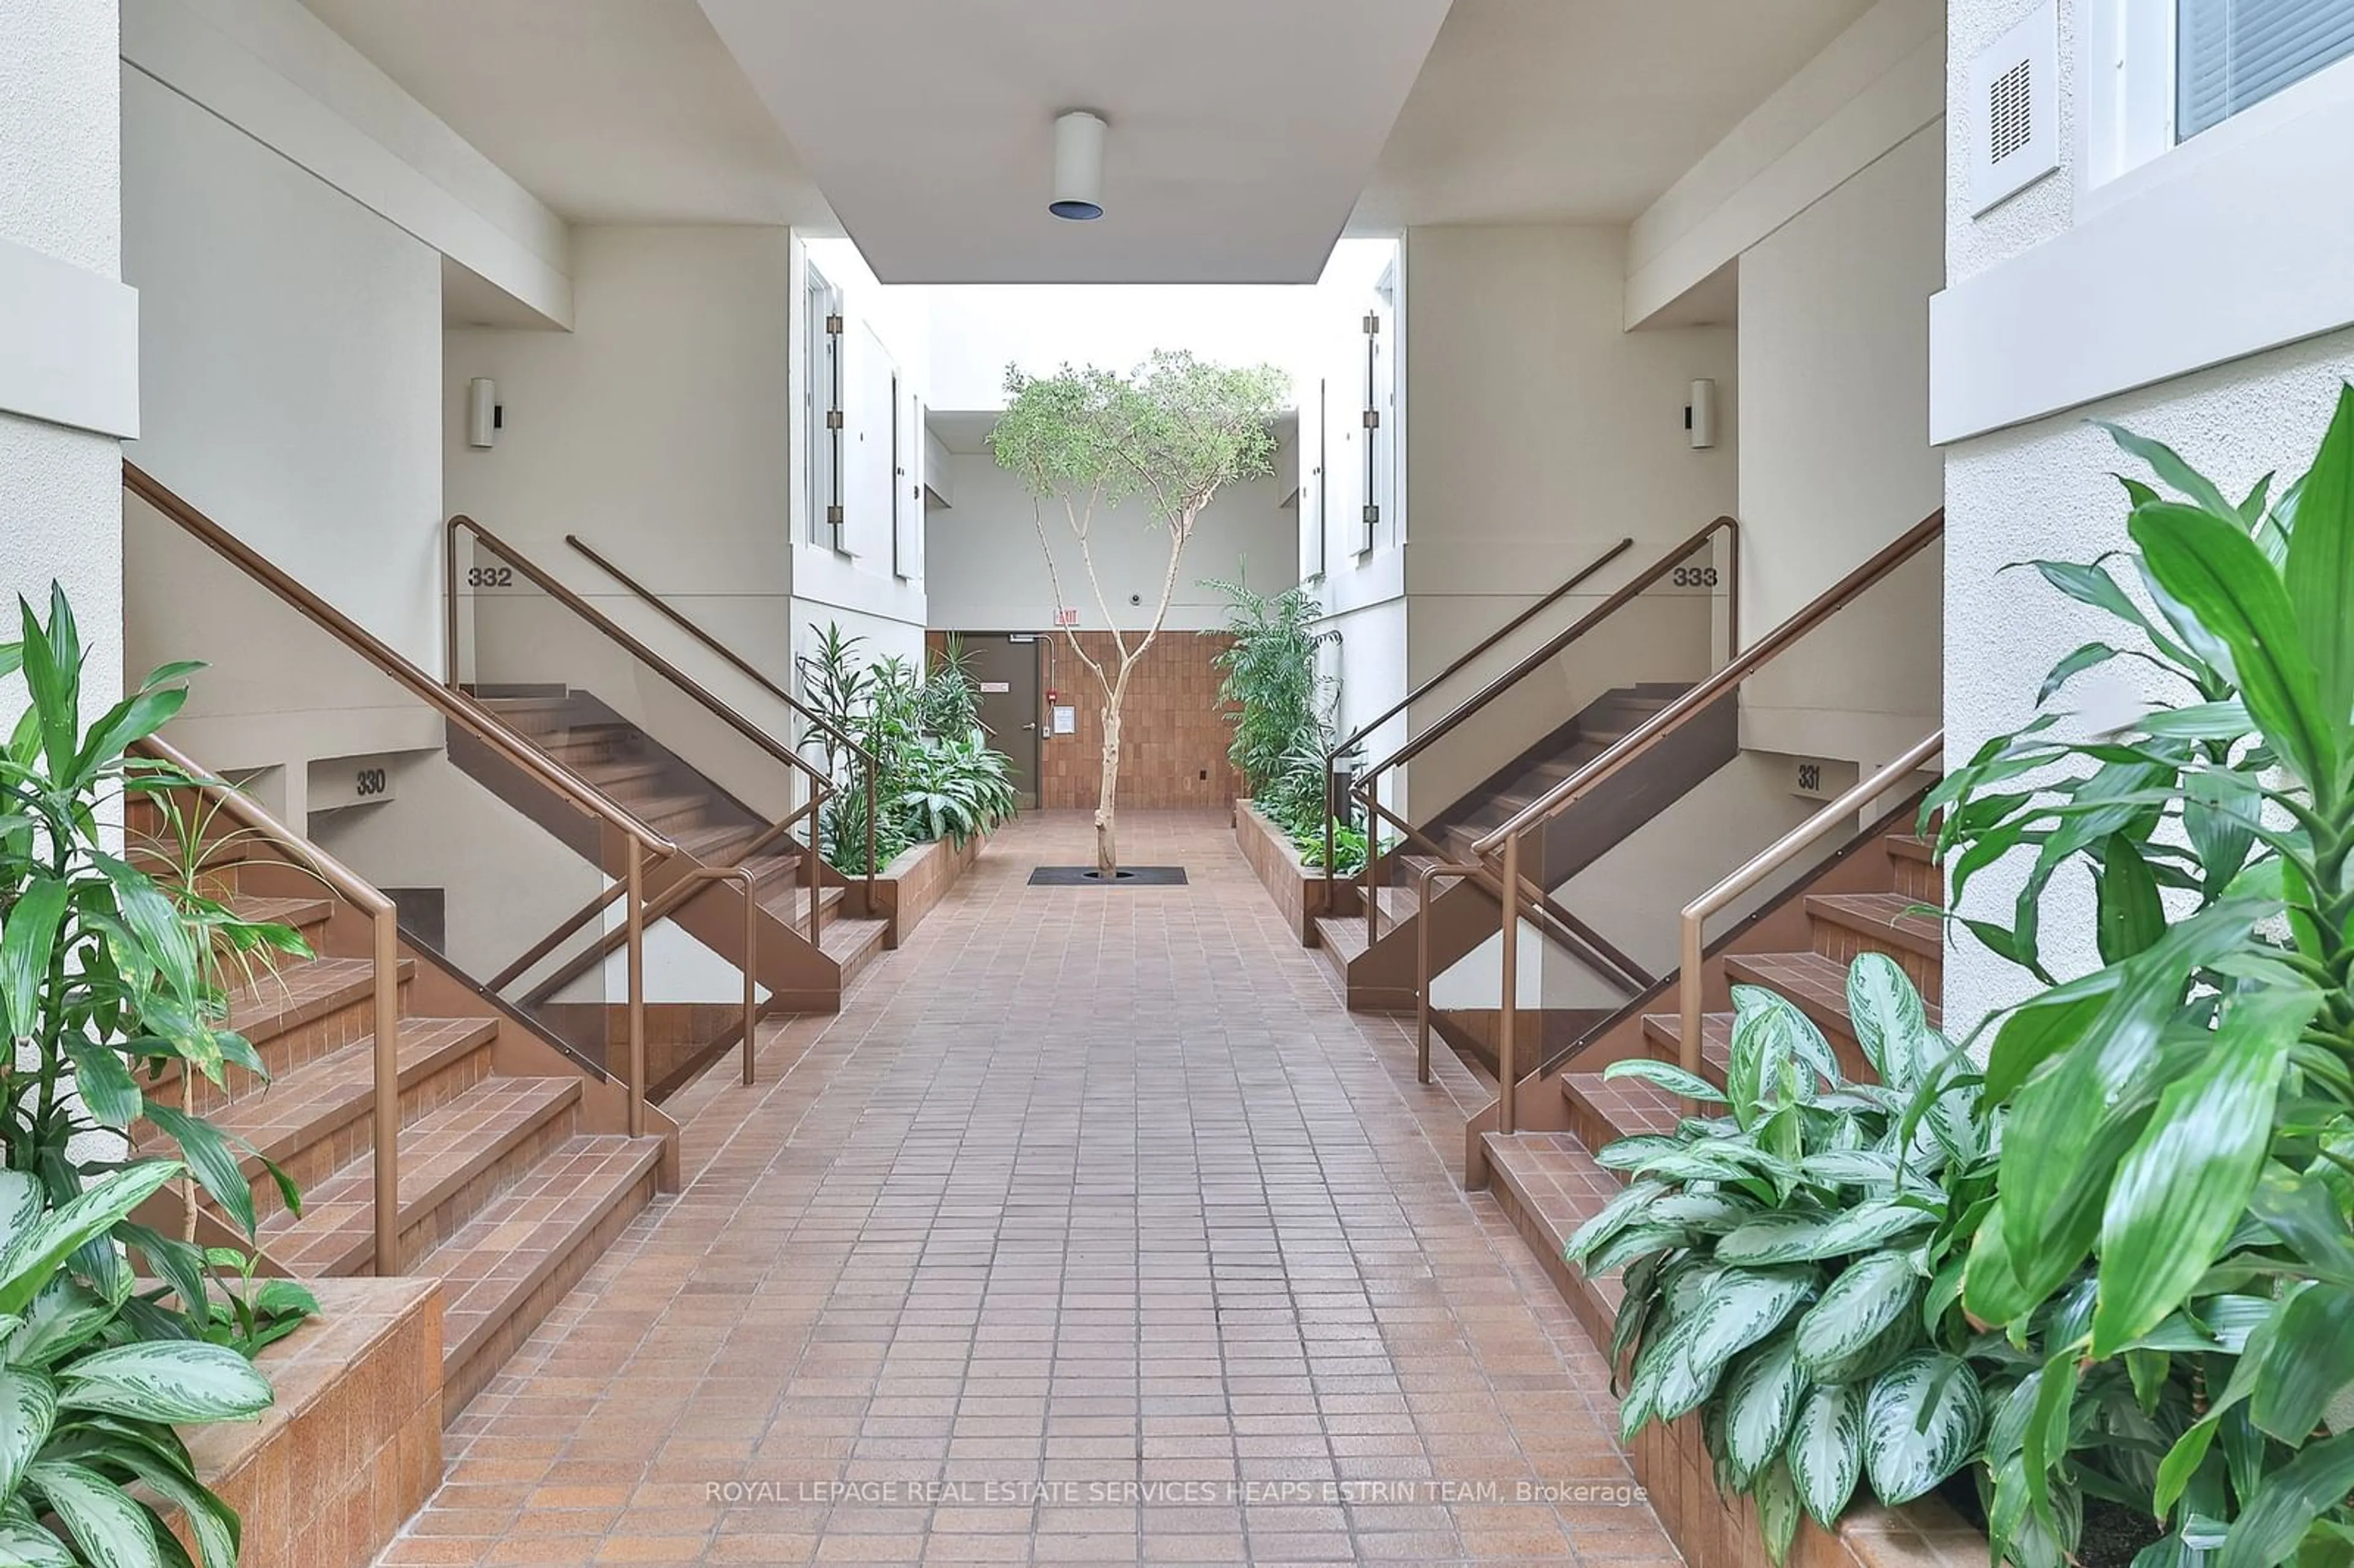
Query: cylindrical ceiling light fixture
(1078, 166)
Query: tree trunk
(1106, 827)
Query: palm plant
(1271, 681)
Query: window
(821, 404)
(2234, 53)
(2166, 70)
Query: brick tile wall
(1172, 734)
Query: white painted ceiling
(608, 111)
(1583, 110)
(933, 129)
(1241, 132)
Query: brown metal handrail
(661, 909)
(1636, 743)
(457, 708)
(1463, 660)
(1368, 783)
(819, 784)
(838, 737)
(384, 919)
(1780, 852)
(1586, 944)
(454, 706)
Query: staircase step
(297, 1014)
(314, 1121)
(1399, 905)
(789, 901)
(1603, 1110)
(1885, 921)
(305, 915)
(615, 777)
(1911, 846)
(453, 1163)
(1664, 1032)
(853, 944)
(503, 1270)
(1818, 984)
(1550, 1185)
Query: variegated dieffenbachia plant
(90, 1456)
(1792, 1269)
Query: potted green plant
(2180, 1121)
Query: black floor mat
(1130, 876)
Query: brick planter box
(353, 1446)
(1297, 887)
(915, 882)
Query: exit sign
(1067, 617)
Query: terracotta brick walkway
(1093, 1230)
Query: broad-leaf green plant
(90, 1408)
(2180, 1120)
(1271, 681)
(1791, 1257)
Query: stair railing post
(1508, 1006)
(751, 963)
(817, 868)
(637, 940)
(1334, 802)
(1372, 858)
(1688, 990)
(386, 1127)
(816, 830)
(1424, 886)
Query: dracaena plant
(1792, 1259)
(90, 1454)
(2180, 1120)
(1270, 681)
(111, 978)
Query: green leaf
(28, 1409)
(2043, 1442)
(156, 1381)
(2319, 574)
(24, 1544)
(216, 1525)
(27, 942)
(1889, 1021)
(1773, 1238)
(2219, 575)
(1761, 1399)
(1921, 1424)
(112, 1530)
(63, 1318)
(1777, 1511)
(1826, 1451)
(34, 1254)
(2284, 1508)
(2180, 1188)
(1869, 1225)
(2309, 1361)
(108, 1090)
(1868, 1297)
(2130, 915)
(2172, 470)
(209, 1157)
(1667, 1075)
(1612, 1218)
(53, 676)
(2086, 658)
(2034, 1035)
(1742, 1307)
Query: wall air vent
(2015, 130)
(2010, 114)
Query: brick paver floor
(1093, 1230)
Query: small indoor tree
(1167, 437)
